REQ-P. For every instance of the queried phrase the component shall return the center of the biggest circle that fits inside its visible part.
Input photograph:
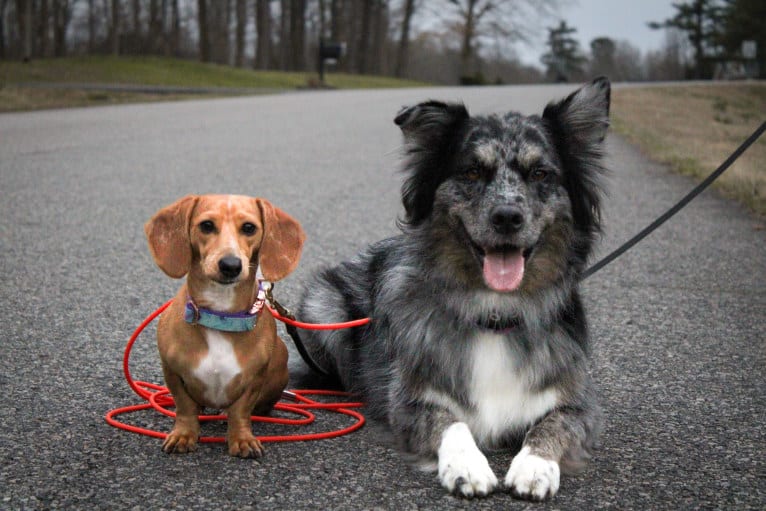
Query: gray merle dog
(478, 335)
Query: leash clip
(281, 309)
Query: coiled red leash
(158, 397)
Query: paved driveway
(678, 323)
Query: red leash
(158, 397)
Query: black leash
(293, 331)
(679, 205)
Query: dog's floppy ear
(578, 125)
(168, 235)
(430, 130)
(283, 239)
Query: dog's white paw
(463, 469)
(532, 477)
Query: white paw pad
(463, 469)
(532, 477)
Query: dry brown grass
(694, 128)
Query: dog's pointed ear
(426, 121)
(168, 235)
(430, 130)
(282, 242)
(578, 125)
(583, 116)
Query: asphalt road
(677, 323)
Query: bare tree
(337, 9)
(3, 6)
(284, 35)
(114, 27)
(137, 19)
(62, 15)
(363, 44)
(204, 35)
(297, 35)
(402, 52)
(669, 63)
(24, 18)
(484, 22)
(91, 26)
(156, 26)
(241, 12)
(379, 29)
(175, 30)
(263, 34)
(43, 28)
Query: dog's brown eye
(472, 174)
(248, 229)
(207, 226)
(538, 175)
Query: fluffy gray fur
(443, 348)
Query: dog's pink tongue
(503, 271)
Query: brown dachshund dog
(217, 349)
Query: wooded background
(439, 41)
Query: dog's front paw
(245, 446)
(463, 469)
(180, 441)
(532, 477)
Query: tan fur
(179, 248)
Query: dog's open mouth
(503, 267)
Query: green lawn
(101, 70)
(174, 72)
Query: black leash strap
(675, 209)
(293, 331)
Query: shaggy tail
(335, 295)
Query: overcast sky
(617, 19)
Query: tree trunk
(175, 37)
(137, 19)
(24, 18)
(297, 35)
(322, 20)
(336, 20)
(61, 15)
(91, 26)
(43, 29)
(338, 29)
(204, 36)
(263, 36)
(115, 27)
(466, 49)
(284, 35)
(239, 56)
(402, 54)
(3, 4)
(379, 36)
(155, 26)
(364, 38)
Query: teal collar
(225, 321)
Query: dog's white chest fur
(500, 391)
(217, 368)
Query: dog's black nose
(507, 219)
(230, 266)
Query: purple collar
(243, 321)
